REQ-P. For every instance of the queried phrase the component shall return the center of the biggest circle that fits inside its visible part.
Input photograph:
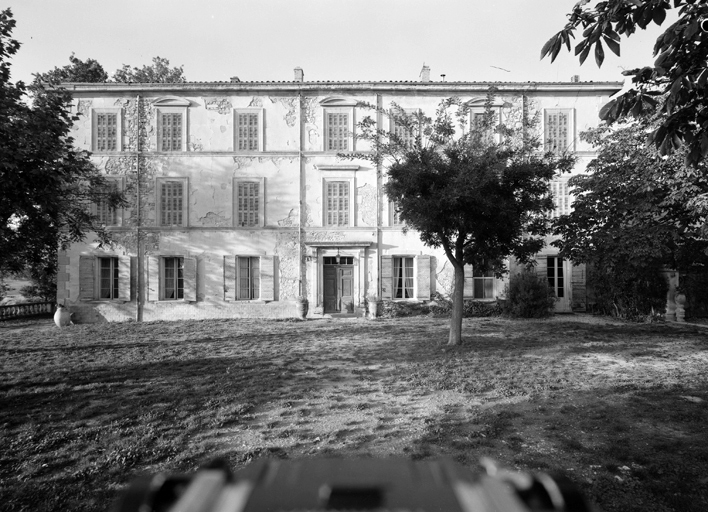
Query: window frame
(260, 131)
(251, 285)
(114, 270)
(118, 112)
(477, 110)
(163, 279)
(414, 284)
(563, 201)
(159, 112)
(261, 201)
(570, 148)
(350, 136)
(392, 216)
(325, 200)
(96, 208)
(159, 201)
(411, 139)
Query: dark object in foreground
(353, 484)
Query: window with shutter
(248, 199)
(337, 131)
(403, 280)
(172, 278)
(108, 278)
(107, 216)
(248, 128)
(248, 277)
(171, 127)
(561, 197)
(172, 202)
(106, 129)
(557, 130)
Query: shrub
(396, 309)
(696, 286)
(630, 293)
(442, 307)
(529, 296)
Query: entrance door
(338, 289)
(558, 280)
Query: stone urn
(680, 300)
(302, 307)
(374, 305)
(62, 317)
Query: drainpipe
(302, 260)
(141, 284)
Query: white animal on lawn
(62, 317)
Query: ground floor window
(172, 278)
(556, 279)
(248, 277)
(483, 284)
(403, 285)
(108, 278)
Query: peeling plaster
(195, 144)
(84, 107)
(325, 236)
(291, 220)
(286, 248)
(221, 105)
(446, 278)
(214, 219)
(290, 104)
(256, 102)
(368, 204)
(129, 241)
(120, 165)
(241, 162)
(313, 136)
(310, 108)
(145, 131)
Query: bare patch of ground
(619, 408)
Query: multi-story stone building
(240, 203)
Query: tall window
(561, 198)
(172, 278)
(248, 282)
(483, 284)
(337, 213)
(337, 126)
(478, 123)
(404, 133)
(248, 131)
(171, 203)
(557, 130)
(402, 277)
(107, 216)
(395, 214)
(171, 126)
(247, 209)
(108, 278)
(106, 132)
(556, 280)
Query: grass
(620, 409)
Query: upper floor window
(338, 124)
(106, 130)
(561, 197)
(395, 216)
(249, 125)
(558, 133)
(337, 203)
(172, 199)
(406, 134)
(171, 123)
(106, 215)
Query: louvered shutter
(87, 277)
(386, 277)
(153, 279)
(124, 278)
(542, 267)
(423, 291)
(469, 281)
(267, 278)
(229, 278)
(190, 279)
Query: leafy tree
(159, 72)
(47, 185)
(634, 213)
(78, 71)
(481, 201)
(680, 70)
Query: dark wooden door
(345, 280)
(330, 289)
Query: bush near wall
(696, 289)
(631, 293)
(529, 296)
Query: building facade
(238, 202)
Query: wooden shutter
(229, 278)
(124, 278)
(469, 281)
(542, 267)
(386, 277)
(423, 291)
(87, 277)
(153, 279)
(190, 279)
(267, 278)
(578, 288)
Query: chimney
(425, 74)
(235, 79)
(575, 78)
(299, 74)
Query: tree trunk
(458, 306)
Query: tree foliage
(158, 72)
(78, 71)
(47, 185)
(479, 192)
(680, 70)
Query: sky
(338, 40)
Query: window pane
(108, 278)
(106, 132)
(171, 132)
(248, 204)
(337, 128)
(337, 201)
(171, 203)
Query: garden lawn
(621, 409)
